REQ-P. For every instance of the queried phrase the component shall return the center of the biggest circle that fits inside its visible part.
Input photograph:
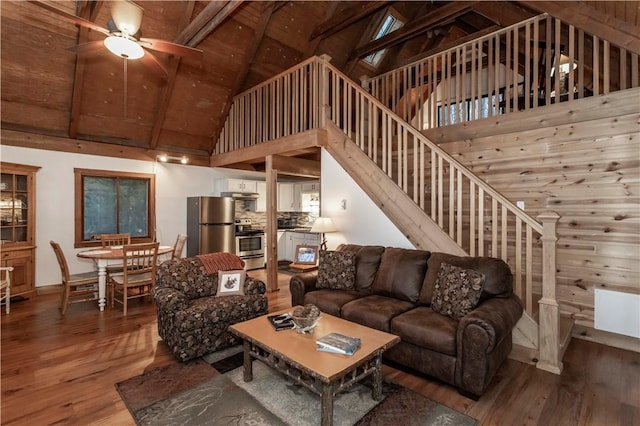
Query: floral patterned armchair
(193, 319)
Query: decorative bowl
(305, 318)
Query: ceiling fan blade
(171, 48)
(88, 48)
(151, 62)
(127, 16)
(73, 18)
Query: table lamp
(323, 225)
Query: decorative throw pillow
(456, 291)
(337, 270)
(231, 283)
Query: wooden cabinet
(288, 197)
(17, 225)
(310, 187)
(261, 203)
(237, 185)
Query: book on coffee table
(338, 343)
(281, 322)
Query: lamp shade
(124, 47)
(323, 224)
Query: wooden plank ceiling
(93, 103)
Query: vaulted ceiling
(99, 103)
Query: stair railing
(533, 63)
(475, 215)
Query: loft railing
(475, 215)
(534, 63)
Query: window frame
(380, 54)
(79, 174)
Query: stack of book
(281, 322)
(338, 343)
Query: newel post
(549, 329)
(323, 86)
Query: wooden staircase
(435, 201)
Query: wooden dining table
(104, 256)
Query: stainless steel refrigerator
(210, 225)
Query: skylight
(389, 25)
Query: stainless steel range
(250, 244)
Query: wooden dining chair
(114, 240)
(75, 287)
(178, 248)
(139, 276)
(110, 240)
(5, 287)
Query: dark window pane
(134, 207)
(99, 207)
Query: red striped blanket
(215, 262)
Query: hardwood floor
(62, 370)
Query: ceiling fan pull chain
(125, 87)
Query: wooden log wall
(587, 170)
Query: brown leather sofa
(393, 291)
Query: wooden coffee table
(325, 374)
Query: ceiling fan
(124, 36)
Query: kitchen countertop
(300, 229)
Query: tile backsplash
(259, 219)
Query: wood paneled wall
(588, 170)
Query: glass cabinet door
(13, 208)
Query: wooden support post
(549, 328)
(272, 225)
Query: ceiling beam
(293, 166)
(89, 12)
(241, 77)
(207, 21)
(347, 18)
(292, 143)
(55, 143)
(313, 44)
(413, 29)
(602, 25)
(167, 89)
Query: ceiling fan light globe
(124, 47)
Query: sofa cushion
(188, 276)
(457, 291)
(231, 283)
(426, 329)
(336, 270)
(367, 263)
(374, 311)
(498, 279)
(401, 273)
(331, 301)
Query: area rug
(195, 393)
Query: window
(459, 112)
(389, 24)
(113, 202)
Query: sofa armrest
(484, 342)
(495, 317)
(169, 299)
(301, 284)
(254, 286)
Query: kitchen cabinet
(282, 245)
(261, 203)
(306, 187)
(289, 197)
(294, 239)
(17, 225)
(237, 185)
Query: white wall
(362, 222)
(55, 199)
